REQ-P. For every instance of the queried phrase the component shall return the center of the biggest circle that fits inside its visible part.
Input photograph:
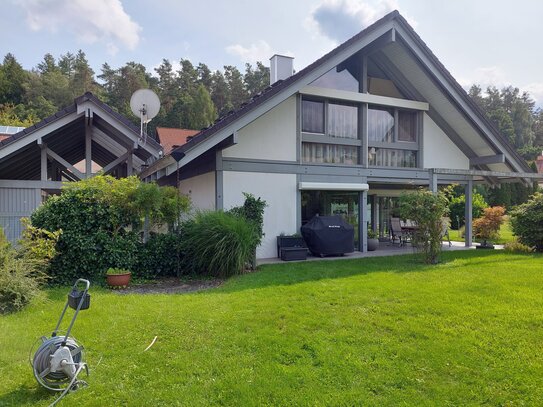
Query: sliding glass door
(325, 203)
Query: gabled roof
(63, 133)
(421, 58)
(170, 138)
(88, 96)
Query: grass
(506, 235)
(375, 331)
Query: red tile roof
(171, 138)
(4, 136)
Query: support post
(363, 221)
(469, 213)
(130, 164)
(374, 199)
(88, 149)
(363, 134)
(43, 165)
(432, 180)
(219, 189)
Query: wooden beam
(116, 162)
(65, 163)
(497, 174)
(487, 159)
(17, 183)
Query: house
(67, 146)
(376, 116)
(171, 138)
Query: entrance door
(326, 203)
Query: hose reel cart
(60, 359)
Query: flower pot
(118, 280)
(373, 244)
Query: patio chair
(445, 224)
(396, 231)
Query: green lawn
(376, 331)
(506, 235)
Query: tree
(83, 76)
(427, 210)
(256, 80)
(202, 113)
(13, 80)
(236, 87)
(220, 94)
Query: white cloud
(341, 19)
(486, 76)
(91, 21)
(536, 92)
(259, 51)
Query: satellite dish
(145, 104)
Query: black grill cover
(328, 235)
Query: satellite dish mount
(146, 105)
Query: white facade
(200, 189)
(438, 149)
(279, 192)
(270, 137)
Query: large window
(329, 131)
(392, 137)
(331, 134)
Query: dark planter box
(293, 253)
(289, 241)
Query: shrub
(527, 222)
(457, 209)
(427, 210)
(95, 215)
(217, 244)
(159, 257)
(517, 247)
(488, 226)
(21, 271)
(115, 271)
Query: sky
(487, 42)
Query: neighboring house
(170, 138)
(376, 116)
(70, 145)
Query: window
(342, 121)
(312, 116)
(388, 157)
(342, 80)
(381, 125)
(329, 153)
(392, 137)
(407, 126)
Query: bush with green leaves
(22, 269)
(527, 222)
(100, 218)
(253, 211)
(427, 210)
(218, 244)
(457, 209)
(160, 256)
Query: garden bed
(171, 286)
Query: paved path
(385, 249)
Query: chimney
(281, 67)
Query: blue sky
(485, 41)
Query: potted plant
(488, 226)
(117, 277)
(373, 240)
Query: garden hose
(41, 363)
